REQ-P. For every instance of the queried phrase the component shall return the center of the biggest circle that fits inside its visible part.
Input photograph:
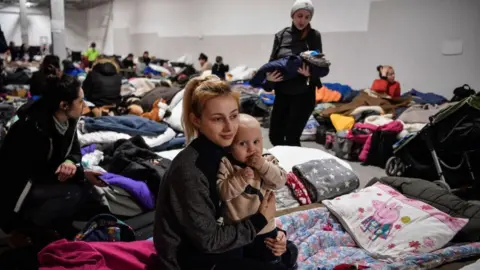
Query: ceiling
(69, 4)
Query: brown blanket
(363, 99)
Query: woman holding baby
(294, 98)
(215, 208)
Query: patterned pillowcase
(391, 226)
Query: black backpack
(462, 92)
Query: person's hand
(304, 70)
(65, 171)
(247, 173)
(255, 161)
(278, 246)
(94, 178)
(267, 208)
(275, 76)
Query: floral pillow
(391, 226)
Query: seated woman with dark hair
(103, 83)
(219, 68)
(50, 67)
(45, 185)
(386, 84)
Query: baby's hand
(255, 161)
(247, 173)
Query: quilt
(323, 243)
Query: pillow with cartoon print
(391, 226)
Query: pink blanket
(65, 255)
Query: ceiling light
(30, 4)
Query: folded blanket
(288, 66)
(285, 199)
(299, 190)
(326, 179)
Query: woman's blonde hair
(197, 92)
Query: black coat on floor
(133, 159)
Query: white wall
(357, 34)
(100, 28)
(39, 25)
(246, 17)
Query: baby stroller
(444, 150)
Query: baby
(244, 177)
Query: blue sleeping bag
(149, 70)
(288, 66)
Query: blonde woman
(188, 233)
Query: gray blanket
(441, 199)
(285, 199)
(326, 179)
(421, 113)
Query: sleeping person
(244, 177)
(386, 84)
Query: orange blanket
(324, 94)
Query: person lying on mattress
(44, 184)
(243, 180)
(386, 84)
(187, 232)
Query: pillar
(24, 21)
(57, 22)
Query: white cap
(302, 4)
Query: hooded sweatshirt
(32, 151)
(102, 85)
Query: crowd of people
(224, 152)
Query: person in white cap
(295, 98)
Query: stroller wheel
(395, 167)
(442, 184)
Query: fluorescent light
(30, 4)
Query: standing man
(91, 54)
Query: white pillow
(176, 99)
(391, 226)
(186, 59)
(238, 69)
(175, 119)
(289, 156)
